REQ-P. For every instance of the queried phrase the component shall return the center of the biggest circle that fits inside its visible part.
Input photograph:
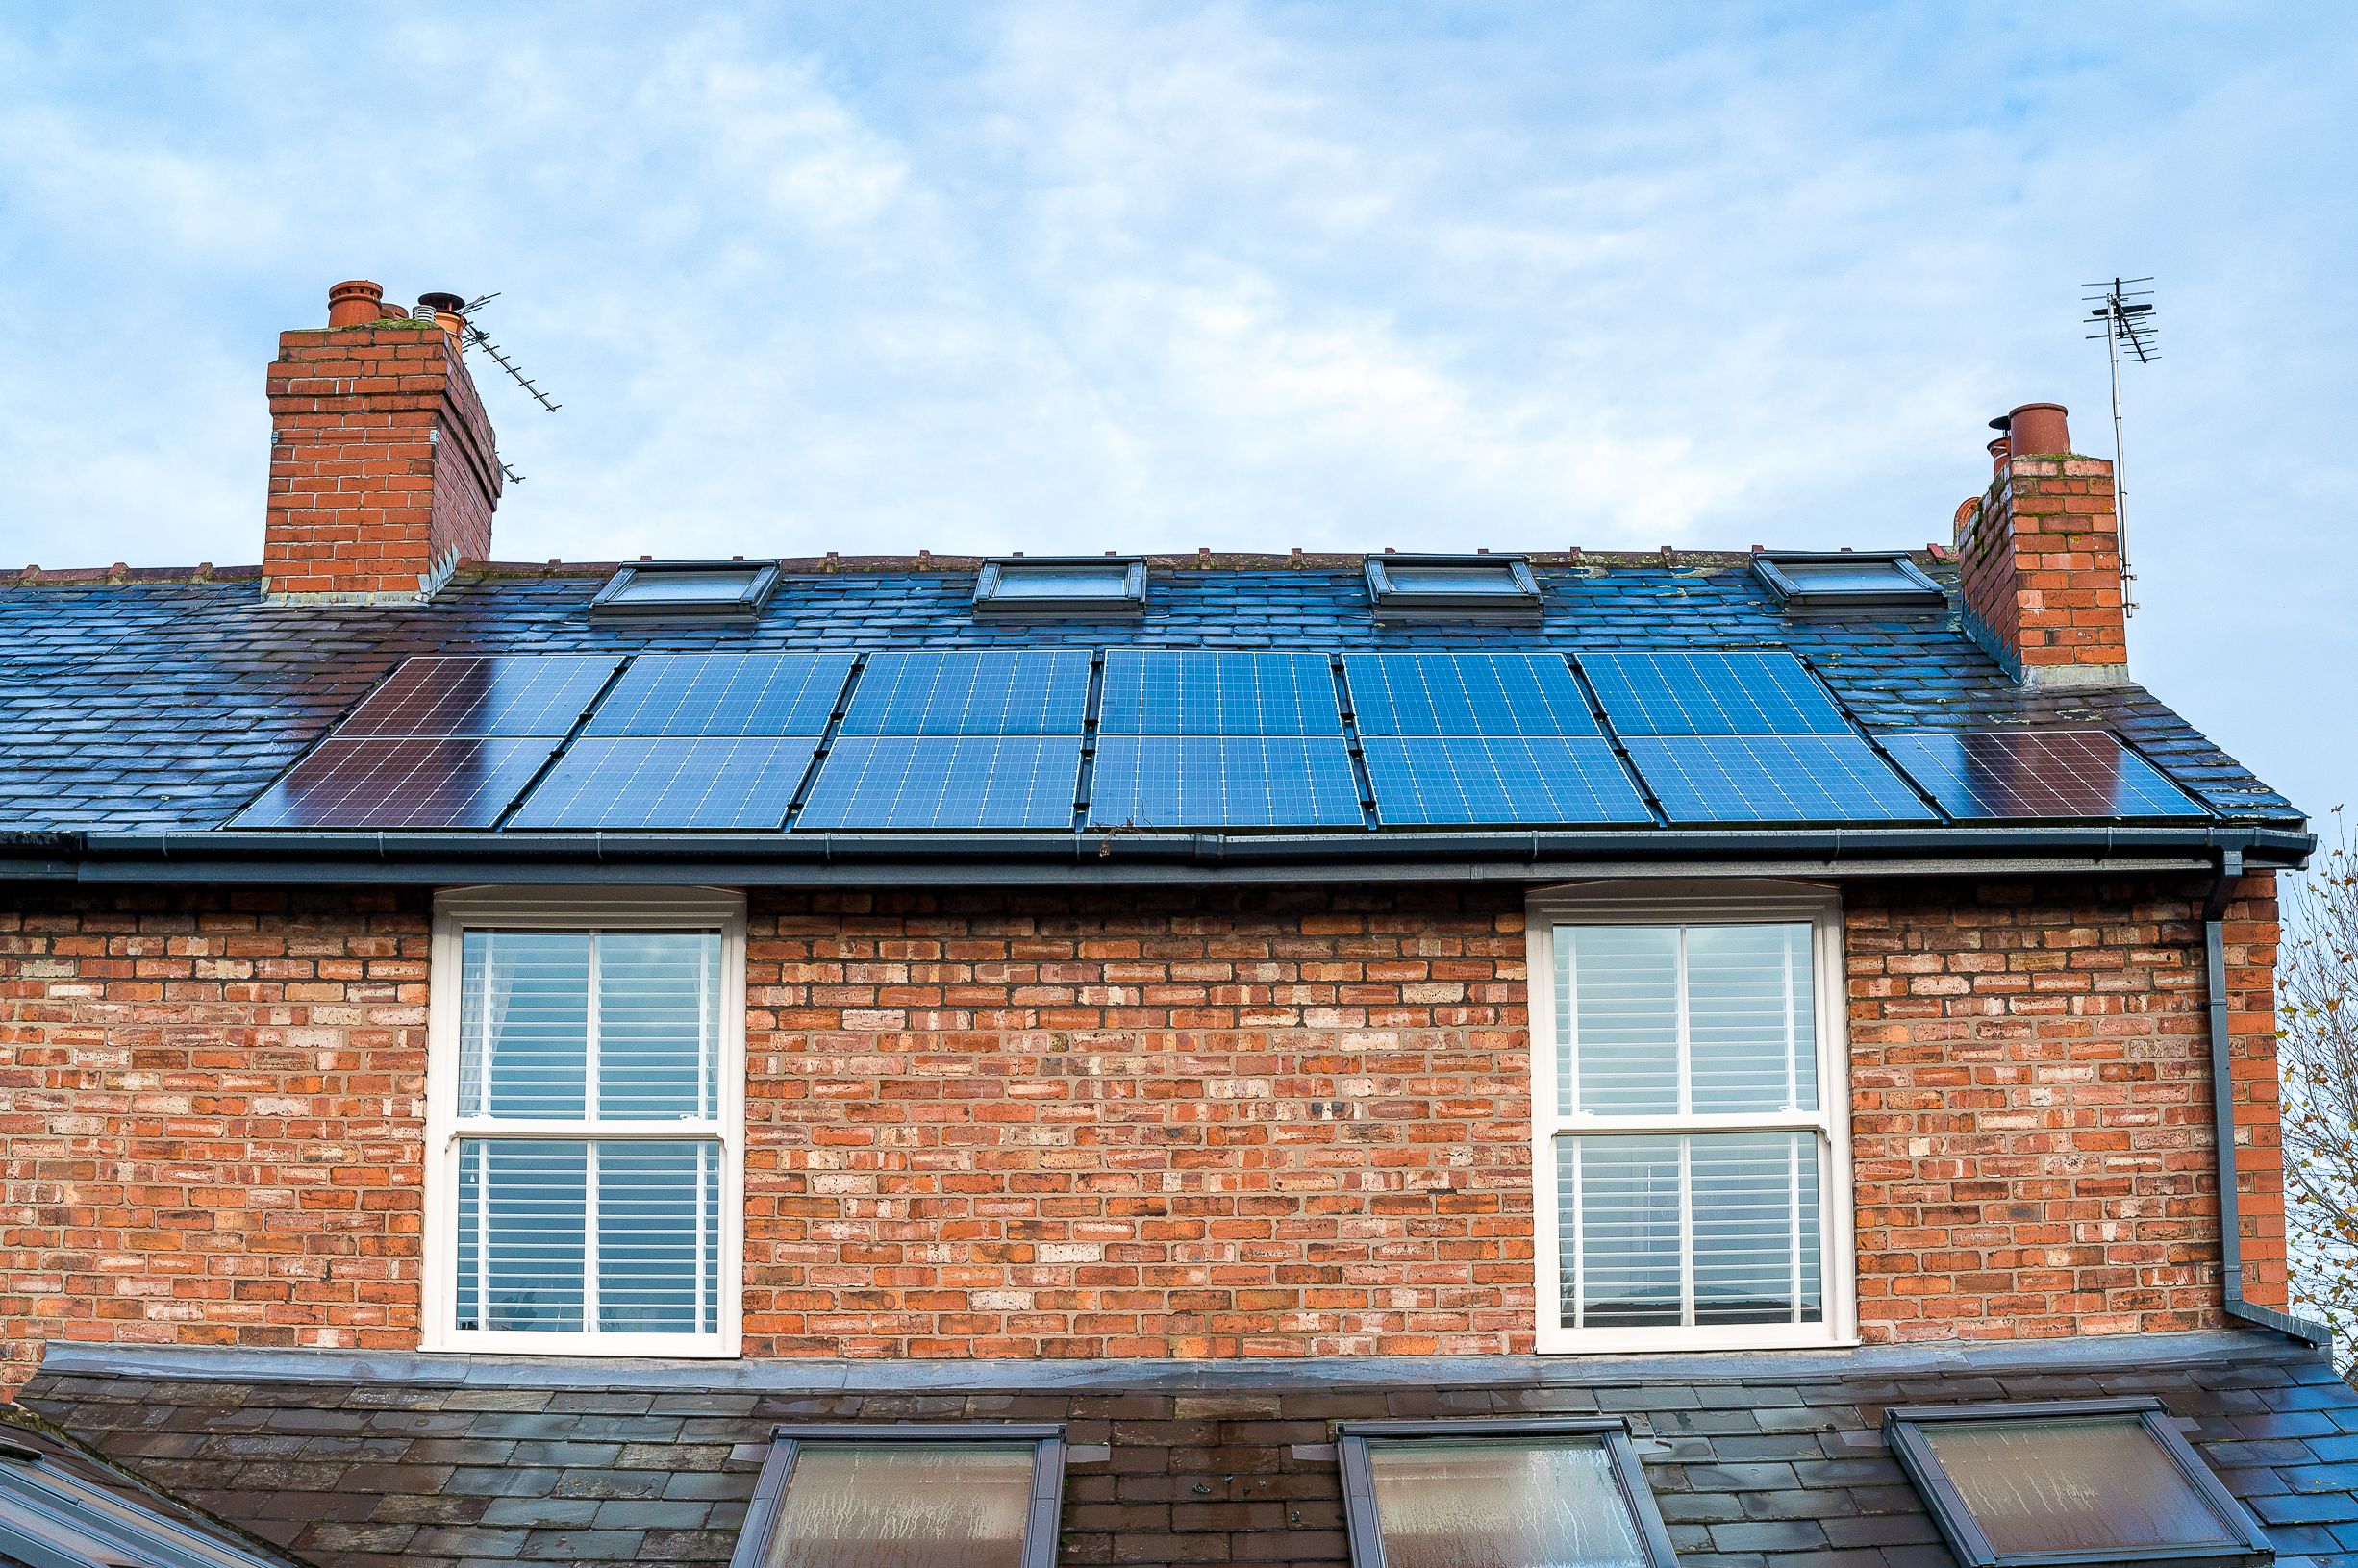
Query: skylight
(685, 589)
(1479, 587)
(58, 1508)
(1062, 584)
(1444, 1494)
(977, 1495)
(1840, 581)
(2090, 1481)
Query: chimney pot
(353, 302)
(1999, 454)
(2038, 430)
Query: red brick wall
(1140, 1123)
(382, 461)
(2040, 565)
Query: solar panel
(1752, 693)
(2038, 773)
(636, 781)
(1016, 780)
(452, 781)
(1466, 694)
(1027, 691)
(501, 694)
(1772, 779)
(1501, 781)
(1154, 692)
(1223, 782)
(723, 694)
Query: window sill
(660, 1347)
(1684, 1341)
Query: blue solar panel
(1030, 691)
(1501, 781)
(723, 694)
(2033, 774)
(463, 782)
(1015, 781)
(1773, 779)
(482, 695)
(1224, 782)
(1766, 693)
(641, 783)
(1466, 694)
(1151, 691)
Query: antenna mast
(2122, 315)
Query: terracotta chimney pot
(1999, 452)
(2037, 430)
(354, 303)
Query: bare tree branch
(2316, 989)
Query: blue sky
(1095, 276)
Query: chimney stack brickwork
(383, 467)
(2039, 561)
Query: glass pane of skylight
(1499, 579)
(2073, 1483)
(1062, 583)
(1482, 1503)
(1849, 576)
(904, 1504)
(647, 587)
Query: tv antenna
(465, 311)
(2122, 315)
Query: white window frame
(458, 911)
(1698, 902)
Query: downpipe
(2222, 1120)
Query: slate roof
(154, 700)
(1757, 1461)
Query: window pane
(1755, 1227)
(658, 1024)
(536, 1257)
(1466, 1503)
(524, 1023)
(1062, 583)
(1619, 1220)
(522, 1235)
(904, 1505)
(686, 588)
(2087, 1484)
(1618, 1000)
(659, 1211)
(1752, 1021)
(1499, 579)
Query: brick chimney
(382, 470)
(2039, 558)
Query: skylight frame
(994, 572)
(1049, 1451)
(1972, 1544)
(615, 600)
(1365, 1529)
(1915, 591)
(1393, 598)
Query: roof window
(673, 588)
(1442, 1494)
(1062, 584)
(59, 1506)
(982, 1495)
(1478, 586)
(1846, 580)
(2106, 1481)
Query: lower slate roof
(1758, 1460)
(149, 701)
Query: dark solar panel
(1772, 779)
(452, 783)
(1030, 691)
(1151, 691)
(1503, 781)
(2038, 773)
(1224, 782)
(723, 694)
(655, 782)
(500, 694)
(1466, 694)
(1016, 781)
(1761, 693)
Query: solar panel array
(1746, 737)
(998, 738)
(1485, 739)
(1196, 739)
